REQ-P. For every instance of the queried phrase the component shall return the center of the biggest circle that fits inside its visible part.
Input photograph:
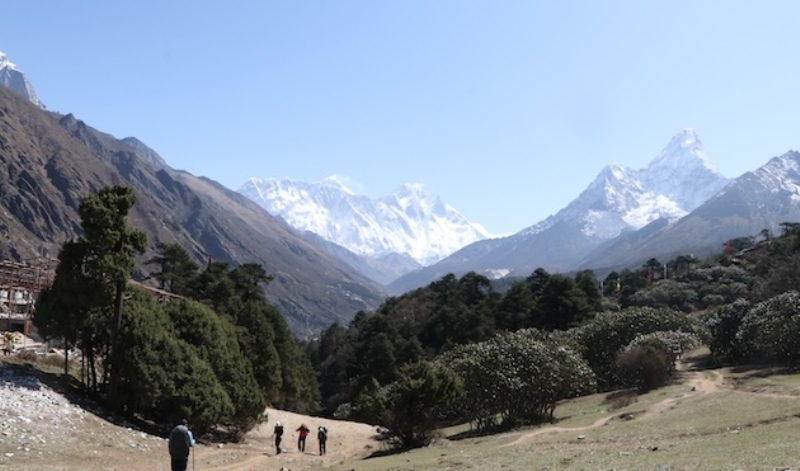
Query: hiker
(181, 441)
(322, 436)
(301, 439)
(9, 343)
(277, 432)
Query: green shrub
(771, 329)
(643, 367)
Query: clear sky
(507, 110)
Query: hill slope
(52, 161)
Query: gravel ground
(31, 414)
(41, 430)
(39, 425)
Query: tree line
(217, 354)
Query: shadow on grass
(700, 362)
(388, 447)
(482, 432)
(763, 370)
(749, 370)
(391, 447)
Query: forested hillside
(459, 350)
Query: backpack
(323, 432)
(279, 430)
(179, 442)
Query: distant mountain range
(414, 224)
(678, 204)
(410, 222)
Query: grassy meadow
(734, 419)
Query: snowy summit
(13, 78)
(410, 221)
(675, 182)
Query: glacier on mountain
(674, 183)
(13, 78)
(409, 221)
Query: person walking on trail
(277, 432)
(322, 436)
(301, 438)
(181, 442)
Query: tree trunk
(66, 358)
(113, 390)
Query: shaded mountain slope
(50, 162)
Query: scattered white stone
(22, 394)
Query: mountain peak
(416, 190)
(339, 182)
(5, 63)
(12, 77)
(686, 137)
(684, 151)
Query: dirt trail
(347, 441)
(698, 380)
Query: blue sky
(507, 110)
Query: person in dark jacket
(322, 436)
(301, 438)
(181, 442)
(277, 432)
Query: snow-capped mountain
(13, 78)
(677, 181)
(755, 201)
(409, 221)
(619, 201)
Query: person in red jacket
(301, 438)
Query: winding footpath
(698, 380)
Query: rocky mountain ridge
(52, 161)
